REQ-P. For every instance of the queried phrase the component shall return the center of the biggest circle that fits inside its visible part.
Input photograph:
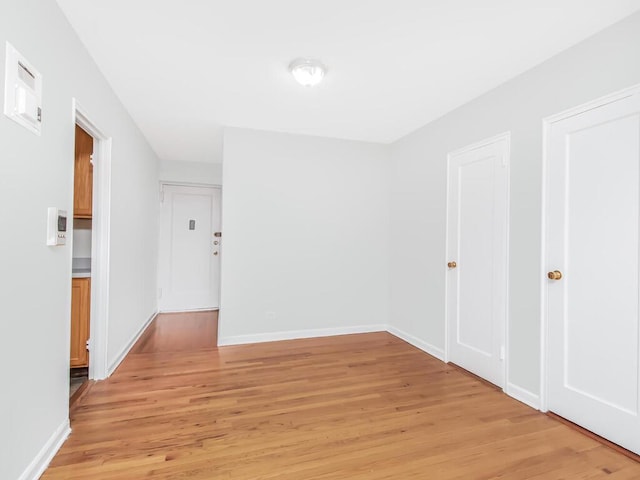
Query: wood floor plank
(356, 407)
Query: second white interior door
(477, 258)
(189, 266)
(593, 290)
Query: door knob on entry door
(452, 264)
(555, 275)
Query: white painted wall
(35, 281)
(134, 233)
(305, 236)
(602, 64)
(306, 220)
(190, 172)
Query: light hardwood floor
(351, 407)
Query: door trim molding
(506, 136)
(482, 143)
(547, 123)
(100, 242)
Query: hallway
(365, 406)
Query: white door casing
(592, 198)
(477, 241)
(189, 263)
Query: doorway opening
(90, 241)
(81, 263)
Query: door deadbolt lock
(452, 264)
(555, 275)
(216, 242)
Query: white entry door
(189, 266)
(477, 257)
(593, 186)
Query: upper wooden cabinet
(83, 175)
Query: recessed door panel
(476, 212)
(190, 238)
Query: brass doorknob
(452, 264)
(555, 275)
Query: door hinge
(88, 345)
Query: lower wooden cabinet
(80, 314)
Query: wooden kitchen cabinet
(83, 175)
(80, 315)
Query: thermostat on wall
(22, 91)
(56, 227)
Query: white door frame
(165, 183)
(547, 123)
(507, 137)
(100, 246)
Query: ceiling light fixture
(307, 72)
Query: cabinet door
(80, 313)
(83, 175)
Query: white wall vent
(22, 91)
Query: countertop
(81, 268)
(81, 273)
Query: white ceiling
(185, 69)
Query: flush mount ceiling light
(307, 72)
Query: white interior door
(593, 185)
(189, 265)
(477, 258)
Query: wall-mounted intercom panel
(56, 226)
(22, 91)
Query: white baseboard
(40, 463)
(118, 360)
(297, 334)
(416, 342)
(190, 310)
(523, 395)
(327, 332)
